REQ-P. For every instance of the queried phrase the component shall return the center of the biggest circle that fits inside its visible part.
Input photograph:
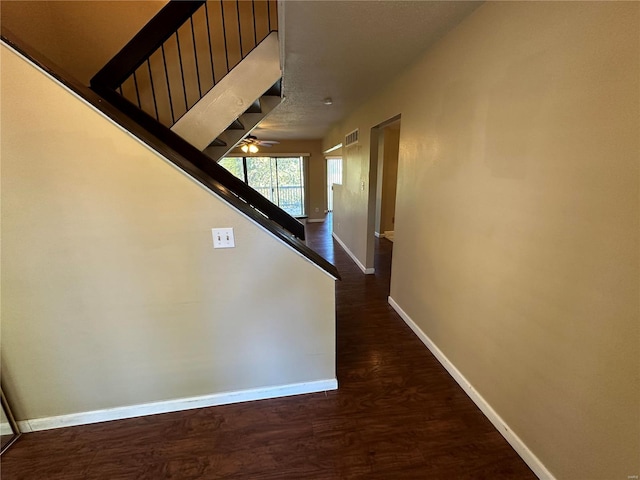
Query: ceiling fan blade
(265, 142)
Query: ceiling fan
(250, 144)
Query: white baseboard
(315, 220)
(516, 442)
(120, 413)
(366, 271)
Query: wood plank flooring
(397, 415)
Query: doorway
(388, 149)
(383, 179)
(334, 176)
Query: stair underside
(233, 97)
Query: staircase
(179, 70)
(178, 78)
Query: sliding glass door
(290, 185)
(261, 176)
(280, 179)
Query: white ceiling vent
(351, 138)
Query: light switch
(223, 238)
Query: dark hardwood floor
(397, 415)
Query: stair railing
(152, 41)
(184, 51)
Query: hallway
(397, 415)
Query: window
(279, 179)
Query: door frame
(376, 131)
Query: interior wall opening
(383, 179)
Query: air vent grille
(351, 138)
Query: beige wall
(112, 294)
(79, 36)
(350, 199)
(517, 219)
(316, 171)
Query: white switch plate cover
(223, 238)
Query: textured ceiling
(347, 50)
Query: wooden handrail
(151, 38)
(145, 42)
